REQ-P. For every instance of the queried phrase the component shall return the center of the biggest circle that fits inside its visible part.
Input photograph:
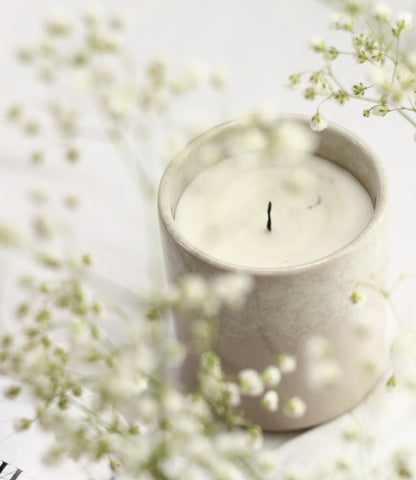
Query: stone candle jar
(290, 305)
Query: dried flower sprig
(107, 397)
(377, 41)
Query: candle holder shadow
(288, 306)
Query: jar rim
(380, 208)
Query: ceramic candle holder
(289, 306)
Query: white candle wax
(317, 208)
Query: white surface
(262, 42)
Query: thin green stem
(396, 60)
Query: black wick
(269, 220)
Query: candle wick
(318, 202)
(269, 219)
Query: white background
(262, 42)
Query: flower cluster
(107, 396)
(90, 74)
(376, 41)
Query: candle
(309, 231)
(257, 213)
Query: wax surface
(317, 208)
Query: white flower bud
(317, 44)
(402, 22)
(293, 139)
(175, 353)
(270, 401)
(92, 15)
(232, 290)
(382, 13)
(295, 407)
(120, 20)
(59, 23)
(234, 394)
(194, 291)
(21, 424)
(286, 363)
(324, 373)
(380, 110)
(352, 431)
(271, 376)
(251, 383)
(342, 22)
(318, 122)
(268, 462)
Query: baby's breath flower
(318, 348)
(72, 155)
(9, 235)
(341, 97)
(404, 463)
(324, 373)
(194, 291)
(340, 21)
(268, 462)
(119, 20)
(25, 55)
(46, 287)
(37, 157)
(71, 201)
(270, 401)
(310, 93)
(233, 393)
(352, 431)
(343, 463)
(271, 376)
(295, 472)
(175, 353)
(32, 127)
(14, 112)
(254, 140)
(318, 122)
(295, 407)
(88, 259)
(251, 382)
(359, 89)
(13, 391)
(402, 22)
(44, 226)
(292, 141)
(382, 13)
(286, 363)
(22, 310)
(356, 7)
(59, 23)
(293, 80)
(380, 110)
(101, 39)
(317, 44)
(92, 15)
(232, 290)
(356, 296)
(331, 54)
(21, 424)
